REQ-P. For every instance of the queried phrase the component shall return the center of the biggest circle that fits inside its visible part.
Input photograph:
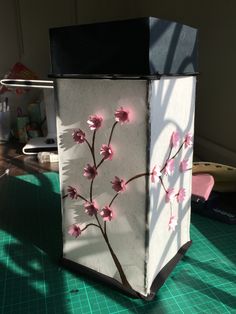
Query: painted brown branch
(104, 231)
(114, 257)
(100, 226)
(101, 161)
(118, 265)
(171, 147)
(138, 176)
(113, 199)
(127, 182)
(112, 130)
(91, 190)
(178, 151)
(169, 158)
(109, 142)
(170, 151)
(162, 183)
(105, 227)
(91, 224)
(93, 144)
(92, 152)
(77, 195)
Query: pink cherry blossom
(175, 139)
(118, 185)
(90, 208)
(172, 223)
(155, 173)
(95, 122)
(170, 167)
(74, 230)
(106, 151)
(183, 165)
(78, 136)
(188, 140)
(181, 195)
(72, 192)
(169, 195)
(106, 213)
(122, 115)
(90, 172)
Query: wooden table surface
(12, 158)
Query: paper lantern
(125, 150)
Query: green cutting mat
(31, 281)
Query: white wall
(10, 50)
(24, 28)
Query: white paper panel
(172, 109)
(77, 100)
(169, 105)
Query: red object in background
(18, 71)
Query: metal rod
(27, 83)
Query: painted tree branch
(119, 185)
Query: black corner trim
(167, 269)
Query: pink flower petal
(181, 195)
(155, 173)
(90, 172)
(106, 213)
(72, 192)
(175, 139)
(188, 141)
(95, 122)
(106, 151)
(183, 165)
(90, 208)
(122, 115)
(118, 184)
(172, 223)
(169, 195)
(78, 136)
(74, 230)
(170, 167)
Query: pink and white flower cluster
(95, 122)
(168, 170)
(90, 208)
(106, 151)
(119, 185)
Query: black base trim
(156, 285)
